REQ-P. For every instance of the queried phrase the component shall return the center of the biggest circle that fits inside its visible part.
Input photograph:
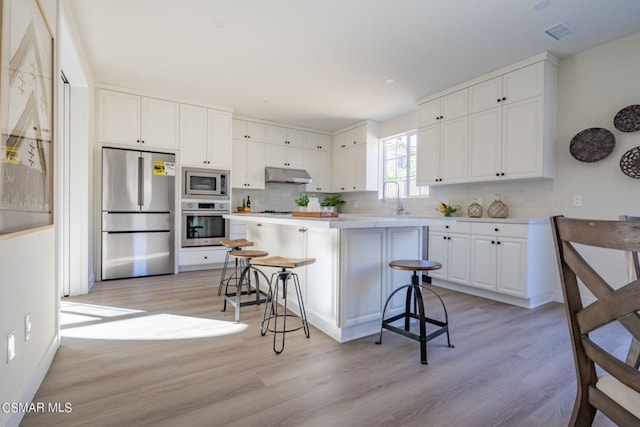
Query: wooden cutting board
(316, 214)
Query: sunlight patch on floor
(99, 322)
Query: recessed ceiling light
(389, 81)
(219, 23)
(541, 4)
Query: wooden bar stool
(232, 245)
(271, 310)
(418, 307)
(245, 257)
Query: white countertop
(367, 221)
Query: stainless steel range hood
(288, 176)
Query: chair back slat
(619, 305)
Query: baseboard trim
(29, 392)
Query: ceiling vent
(559, 31)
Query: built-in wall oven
(203, 223)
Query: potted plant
(332, 203)
(302, 201)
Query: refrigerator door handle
(141, 181)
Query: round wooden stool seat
(283, 262)
(248, 254)
(415, 265)
(236, 243)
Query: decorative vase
(474, 210)
(314, 204)
(498, 209)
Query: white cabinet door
(454, 148)
(522, 143)
(458, 258)
(193, 135)
(275, 155)
(448, 107)
(485, 145)
(254, 131)
(159, 123)
(442, 153)
(512, 266)
(317, 141)
(428, 155)
(205, 137)
(439, 252)
(483, 262)
(318, 164)
(247, 170)
(452, 251)
(357, 165)
(129, 119)
(255, 164)
(524, 83)
(118, 117)
(486, 95)
(218, 139)
(339, 174)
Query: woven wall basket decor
(593, 144)
(628, 119)
(630, 163)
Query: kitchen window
(399, 165)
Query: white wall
(592, 87)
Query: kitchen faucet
(399, 207)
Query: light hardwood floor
(511, 367)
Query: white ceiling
(322, 64)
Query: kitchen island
(345, 290)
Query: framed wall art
(26, 114)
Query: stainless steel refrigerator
(138, 202)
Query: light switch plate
(576, 200)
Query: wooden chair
(633, 267)
(616, 393)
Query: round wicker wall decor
(628, 119)
(593, 144)
(630, 163)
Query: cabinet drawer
(210, 256)
(454, 227)
(498, 229)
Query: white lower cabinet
(200, 259)
(317, 280)
(503, 259)
(449, 245)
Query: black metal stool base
(281, 279)
(415, 289)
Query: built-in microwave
(205, 183)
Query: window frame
(407, 179)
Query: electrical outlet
(11, 346)
(576, 200)
(27, 327)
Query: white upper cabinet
(290, 137)
(442, 153)
(355, 158)
(247, 169)
(510, 127)
(134, 120)
(205, 137)
(517, 85)
(445, 108)
(249, 130)
(317, 141)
